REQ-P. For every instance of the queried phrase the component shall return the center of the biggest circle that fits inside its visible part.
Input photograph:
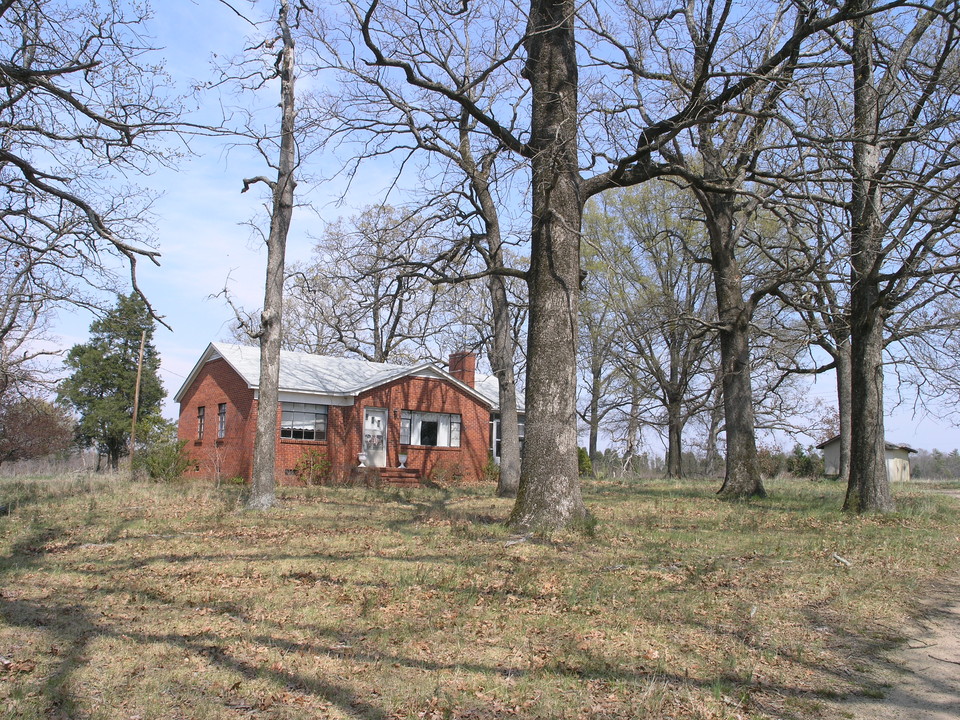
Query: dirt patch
(922, 677)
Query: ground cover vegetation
(158, 600)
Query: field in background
(135, 600)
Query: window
(221, 420)
(201, 411)
(303, 421)
(431, 429)
(496, 437)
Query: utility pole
(136, 405)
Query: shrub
(446, 473)
(165, 459)
(313, 468)
(770, 461)
(491, 471)
(583, 462)
(805, 463)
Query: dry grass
(122, 600)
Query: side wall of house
(218, 457)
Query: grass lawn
(139, 601)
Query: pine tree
(102, 385)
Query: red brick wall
(289, 452)
(232, 455)
(428, 395)
(344, 431)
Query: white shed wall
(898, 463)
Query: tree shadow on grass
(72, 628)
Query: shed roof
(886, 445)
(336, 376)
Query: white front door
(375, 436)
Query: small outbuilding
(897, 456)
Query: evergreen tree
(102, 385)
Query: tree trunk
(674, 439)
(263, 486)
(503, 349)
(675, 421)
(869, 487)
(501, 360)
(715, 423)
(742, 478)
(596, 377)
(549, 494)
(633, 428)
(844, 403)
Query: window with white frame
(303, 421)
(430, 429)
(221, 420)
(201, 413)
(496, 436)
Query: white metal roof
(331, 376)
(886, 445)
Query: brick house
(436, 421)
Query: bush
(804, 463)
(446, 473)
(164, 460)
(770, 462)
(313, 468)
(583, 462)
(491, 471)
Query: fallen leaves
(17, 667)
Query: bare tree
(598, 328)
(461, 168)
(25, 307)
(269, 59)
(623, 147)
(357, 296)
(821, 302)
(719, 160)
(663, 324)
(84, 106)
(884, 187)
(904, 88)
(31, 427)
(489, 312)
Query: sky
(205, 245)
(201, 214)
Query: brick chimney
(463, 366)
